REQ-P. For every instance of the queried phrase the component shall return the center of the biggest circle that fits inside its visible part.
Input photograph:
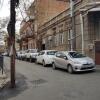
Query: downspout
(72, 41)
(82, 32)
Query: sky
(5, 11)
(4, 8)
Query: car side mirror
(65, 58)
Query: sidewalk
(4, 79)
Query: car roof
(66, 52)
(48, 50)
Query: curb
(4, 83)
(3, 80)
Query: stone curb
(3, 80)
(4, 83)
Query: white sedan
(73, 61)
(45, 57)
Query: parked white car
(46, 57)
(31, 54)
(21, 55)
(73, 61)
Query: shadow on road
(97, 71)
(21, 86)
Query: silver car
(73, 61)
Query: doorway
(97, 52)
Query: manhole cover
(38, 82)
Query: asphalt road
(34, 82)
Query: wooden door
(97, 52)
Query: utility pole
(12, 39)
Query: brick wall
(47, 9)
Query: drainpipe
(73, 42)
(82, 32)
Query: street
(35, 82)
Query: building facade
(53, 26)
(27, 35)
(38, 13)
(57, 32)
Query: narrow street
(34, 82)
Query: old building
(87, 18)
(57, 32)
(56, 28)
(27, 35)
(38, 13)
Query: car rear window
(51, 52)
(33, 51)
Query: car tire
(36, 61)
(43, 63)
(30, 59)
(53, 65)
(70, 69)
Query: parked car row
(72, 61)
(29, 54)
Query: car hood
(85, 60)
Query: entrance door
(43, 47)
(97, 52)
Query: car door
(40, 57)
(62, 60)
(56, 60)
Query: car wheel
(36, 61)
(70, 69)
(53, 65)
(30, 59)
(43, 63)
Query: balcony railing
(28, 35)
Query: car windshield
(51, 52)
(76, 55)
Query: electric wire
(25, 19)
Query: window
(56, 39)
(61, 38)
(51, 52)
(61, 55)
(70, 38)
(41, 53)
